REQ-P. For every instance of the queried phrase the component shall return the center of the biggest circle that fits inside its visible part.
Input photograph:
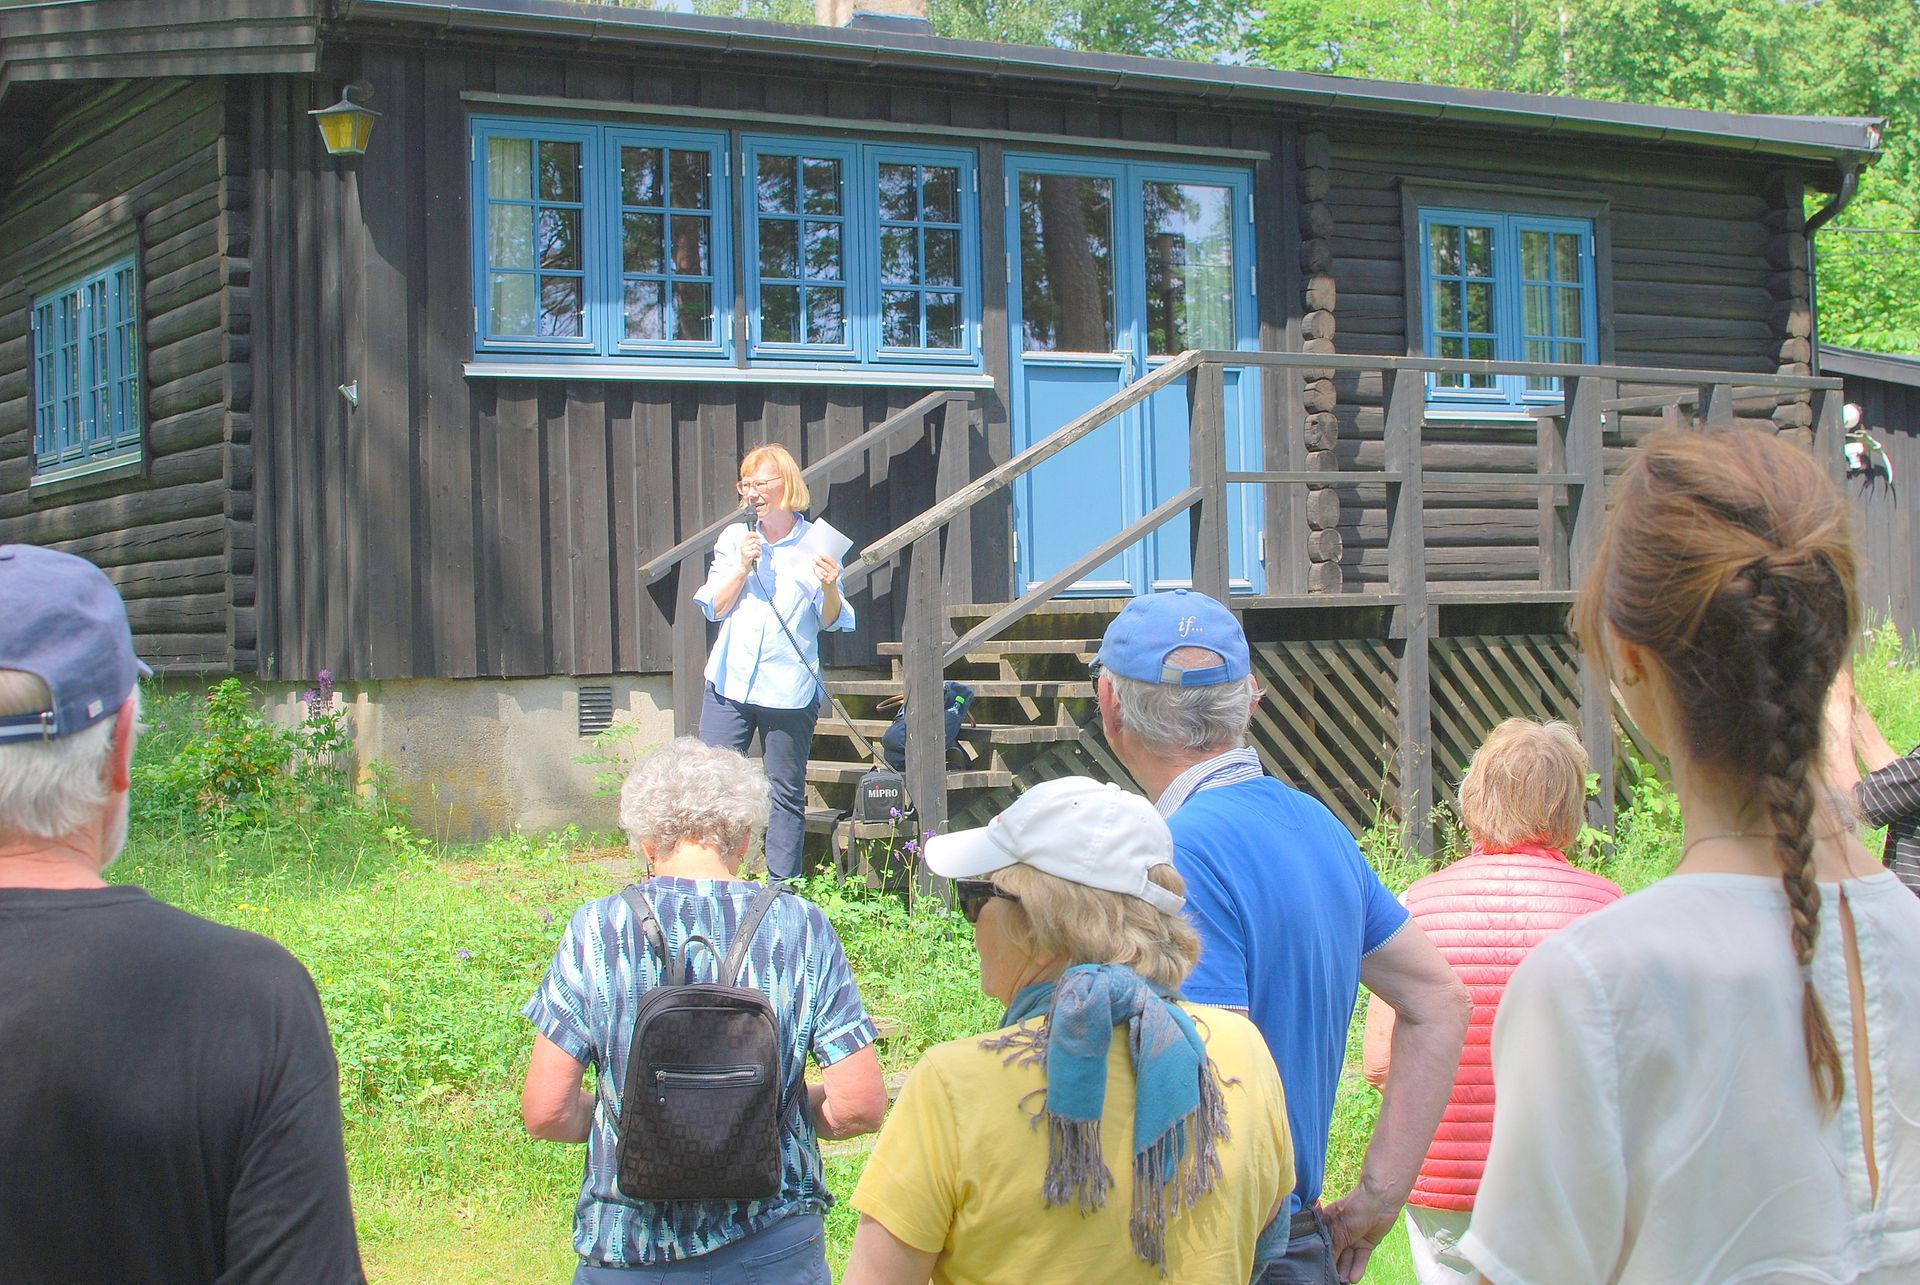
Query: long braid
(1788, 696)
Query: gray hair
(692, 792)
(50, 789)
(1172, 719)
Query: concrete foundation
(471, 758)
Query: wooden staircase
(1034, 713)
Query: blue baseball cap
(1155, 625)
(62, 621)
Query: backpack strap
(729, 974)
(672, 968)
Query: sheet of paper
(822, 540)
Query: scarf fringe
(1169, 1176)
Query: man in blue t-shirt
(1291, 919)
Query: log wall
(152, 159)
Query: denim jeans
(1309, 1256)
(792, 1251)
(786, 738)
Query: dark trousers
(792, 1251)
(1309, 1256)
(786, 737)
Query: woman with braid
(1718, 1078)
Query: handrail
(700, 540)
(1044, 449)
(1540, 369)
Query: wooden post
(1207, 467)
(1588, 504)
(1716, 406)
(1285, 548)
(1550, 432)
(1406, 392)
(922, 645)
(1829, 439)
(689, 625)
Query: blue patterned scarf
(1179, 1116)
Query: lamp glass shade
(345, 127)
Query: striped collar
(1230, 768)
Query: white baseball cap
(1084, 831)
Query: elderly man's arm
(850, 1098)
(1431, 1010)
(554, 1104)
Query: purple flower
(546, 916)
(464, 953)
(911, 845)
(894, 813)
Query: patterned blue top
(586, 1006)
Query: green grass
(423, 955)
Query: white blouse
(1655, 1119)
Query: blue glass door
(1116, 268)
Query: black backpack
(700, 1112)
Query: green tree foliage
(1788, 57)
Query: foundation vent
(596, 710)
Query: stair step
(1085, 648)
(1052, 607)
(1040, 688)
(848, 773)
(972, 733)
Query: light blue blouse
(753, 661)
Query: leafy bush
(221, 761)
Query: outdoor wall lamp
(346, 126)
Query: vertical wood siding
(1883, 513)
(178, 540)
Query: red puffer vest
(1485, 913)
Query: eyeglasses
(972, 896)
(750, 484)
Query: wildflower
(911, 845)
(894, 813)
(464, 954)
(546, 916)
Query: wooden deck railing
(1569, 464)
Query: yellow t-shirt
(958, 1167)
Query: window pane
(640, 175)
(642, 243)
(692, 310)
(943, 257)
(510, 236)
(559, 171)
(1480, 350)
(1066, 263)
(944, 320)
(1537, 318)
(780, 249)
(510, 303)
(896, 193)
(560, 239)
(774, 187)
(823, 251)
(825, 316)
(1567, 313)
(1189, 266)
(692, 253)
(900, 256)
(900, 319)
(823, 186)
(1571, 354)
(646, 319)
(1533, 256)
(1480, 307)
(560, 307)
(1443, 249)
(940, 194)
(780, 314)
(689, 183)
(510, 169)
(1479, 259)
(1447, 314)
(1566, 256)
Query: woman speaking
(771, 601)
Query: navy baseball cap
(1155, 625)
(62, 621)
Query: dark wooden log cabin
(1883, 477)
(430, 413)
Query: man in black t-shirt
(169, 1104)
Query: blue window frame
(862, 252)
(86, 370)
(1505, 287)
(600, 240)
